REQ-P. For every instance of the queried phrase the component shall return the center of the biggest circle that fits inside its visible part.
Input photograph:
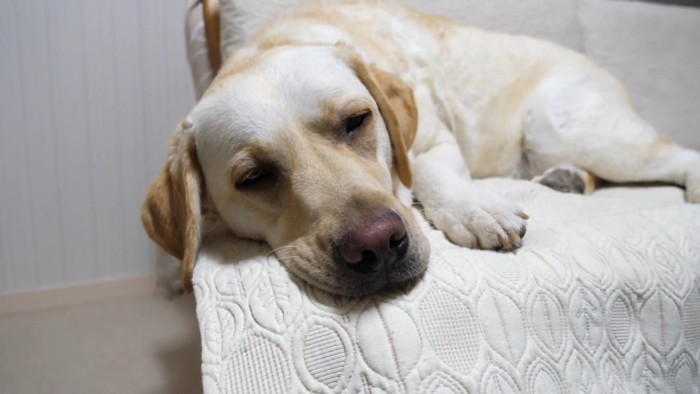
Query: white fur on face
(270, 104)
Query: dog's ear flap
(172, 212)
(397, 106)
(401, 101)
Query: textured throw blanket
(603, 297)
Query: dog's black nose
(374, 244)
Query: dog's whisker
(281, 249)
(287, 257)
(283, 257)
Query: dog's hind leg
(584, 119)
(654, 160)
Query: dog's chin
(400, 278)
(322, 273)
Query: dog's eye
(355, 122)
(254, 178)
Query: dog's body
(321, 106)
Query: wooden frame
(212, 26)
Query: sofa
(602, 297)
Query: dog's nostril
(369, 263)
(396, 241)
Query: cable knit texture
(603, 297)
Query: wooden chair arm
(212, 24)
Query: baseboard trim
(78, 294)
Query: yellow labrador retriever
(316, 135)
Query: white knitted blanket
(603, 297)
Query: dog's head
(305, 148)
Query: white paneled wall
(90, 90)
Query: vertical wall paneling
(39, 134)
(154, 77)
(73, 142)
(175, 49)
(99, 65)
(15, 241)
(91, 91)
(152, 82)
(130, 116)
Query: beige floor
(128, 344)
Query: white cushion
(604, 296)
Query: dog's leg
(647, 159)
(568, 179)
(469, 215)
(657, 161)
(633, 152)
(586, 121)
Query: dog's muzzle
(374, 246)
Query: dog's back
(474, 82)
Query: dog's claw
(485, 221)
(522, 231)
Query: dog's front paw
(486, 222)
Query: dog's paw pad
(564, 179)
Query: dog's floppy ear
(397, 106)
(172, 212)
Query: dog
(316, 136)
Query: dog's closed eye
(256, 178)
(356, 121)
